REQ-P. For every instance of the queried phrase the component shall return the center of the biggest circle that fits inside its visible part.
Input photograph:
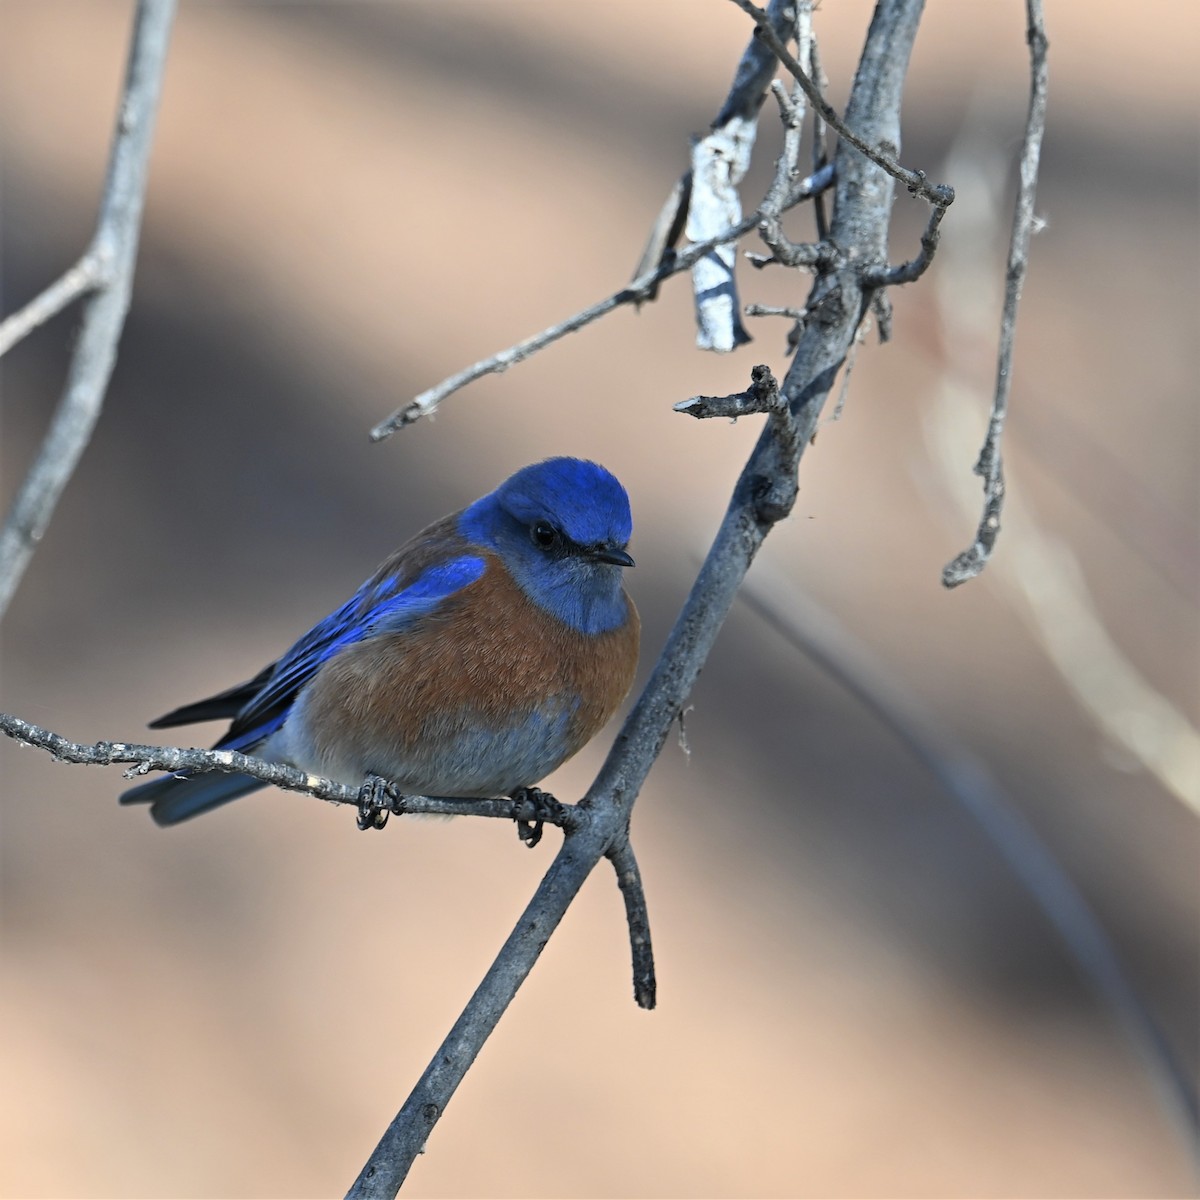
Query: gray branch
(764, 494)
(86, 275)
(762, 396)
(915, 181)
(142, 759)
(636, 292)
(107, 270)
(629, 880)
(990, 465)
(939, 195)
(791, 113)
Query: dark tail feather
(224, 706)
(175, 798)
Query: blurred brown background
(348, 202)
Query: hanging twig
(990, 465)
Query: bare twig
(819, 157)
(1062, 611)
(629, 879)
(143, 759)
(940, 196)
(916, 181)
(664, 235)
(791, 113)
(762, 396)
(775, 310)
(638, 290)
(745, 98)
(77, 281)
(113, 252)
(967, 779)
(990, 465)
(912, 270)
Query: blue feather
(366, 614)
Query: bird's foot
(377, 799)
(533, 809)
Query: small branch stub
(762, 396)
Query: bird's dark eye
(544, 534)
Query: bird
(480, 656)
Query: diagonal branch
(990, 465)
(635, 293)
(85, 276)
(112, 255)
(605, 811)
(916, 181)
(764, 493)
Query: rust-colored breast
(489, 658)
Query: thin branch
(629, 879)
(77, 281)
(776, 310)
(819, 157)
(966, 778)
(114, 251)
(407, 1134)
(791, 114)
(762, 396)
(912, 270)
(940, 196)
(664, 234)
(916, 181)
(142, 759)
(638, 290)
(990, 465)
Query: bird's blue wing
(373, 610)
(382, 605)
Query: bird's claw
(533, 809)
(377, 800)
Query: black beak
(618, 558)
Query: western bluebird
(478, 657)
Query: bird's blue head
(562, 527)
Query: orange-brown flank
(488, 657)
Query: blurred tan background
(349, 202)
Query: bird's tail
(175, 798)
